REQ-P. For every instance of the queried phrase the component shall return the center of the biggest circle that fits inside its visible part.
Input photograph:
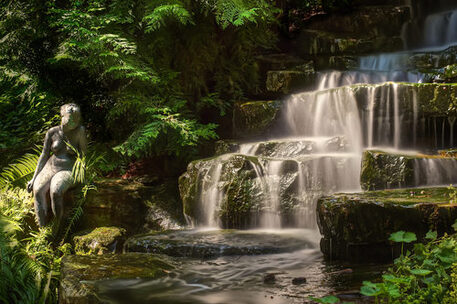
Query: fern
(160, 14)
(20, 172)
(165, 132)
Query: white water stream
(329, 128)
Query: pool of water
(242, 278)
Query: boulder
(132, 206)
(357, 226)
(381, 170)
(80, 274)
(213, 243)
(101, 240)
(318, 43)
(369, 21)
(242, 180)
(254, 118)
(286, 82)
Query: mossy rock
(101, 240)
(317, 43)
(381, 170)
(366, 21)
(244, 194)
(80, 274)
(132, 205)
(358, 226)
(213, 243)
(286, 82)
(254, 118)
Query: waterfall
(327, 130)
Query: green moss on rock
(358, 225)
(254, 118)
(381, 170)
(101, 240)
(79, 274)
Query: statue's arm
(45, 154)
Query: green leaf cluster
(426, 275)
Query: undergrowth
(30, 256)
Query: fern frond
(162, 13)
(18, 173)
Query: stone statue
(53, 172)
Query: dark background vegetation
(155, 79)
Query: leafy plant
(423, 276)
(20, 172)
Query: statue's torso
(63, 157)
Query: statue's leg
(60, 183)
(40, 189)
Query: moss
(286, 82)
(381, 170)
(366, 220)
(254, 118)
(244, 193)
(79, 273)
(100, 241)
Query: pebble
(299, 280)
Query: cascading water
(328, 129)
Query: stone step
(204, 244)
(368, 21)
(382, 170)
(357, 226)
(283, 147)
(263, 119)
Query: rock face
(366, 30)
(241, 178)
(79, 274)
(420, 106)
(101, 240)
(128, 205)
(381, 170)
(212, 244)
(357, 226)
(253, 119)
(286, 82)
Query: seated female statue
(53, 172)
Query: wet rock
(101, 240)
(431, 100)
(226, 146)
(285, 148)
(357, 226)
(269, 278)
(365, 21)
(79, 274)
(286, 82)
(314, 42)
(279, 62)
(254, 118)
(299, 280)
(129, 204)
(433, 60)
(242, 179)
(381, 170)
(212, 244)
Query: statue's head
(71, 115)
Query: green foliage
(27, 264)
(328, 300)
(19, 173)
(425, 276)
(30, 259)
(403, 237)
(167, 132)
